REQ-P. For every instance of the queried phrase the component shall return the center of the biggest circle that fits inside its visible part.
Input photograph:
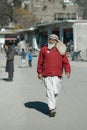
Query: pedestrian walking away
(30, 57)
(52, 61)
(23, 58)
(10, 53)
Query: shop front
(63, 29)
(73, 33)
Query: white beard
(50, 46)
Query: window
(65, 16)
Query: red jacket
(51, 63)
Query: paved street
(23, 103)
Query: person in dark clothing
(10, 53)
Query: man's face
(52, 41)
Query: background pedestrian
(23, 58)
(10, 53)
(30, 57)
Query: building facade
(71, 32)
(51, 10)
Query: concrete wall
(80, 38)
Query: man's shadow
(37, 105)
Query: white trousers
(23, 62)
(53, 86)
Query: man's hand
(68, 75)
(40, 76)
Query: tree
(83, 6)
(24, 18)
(17, 3)
(6, 11)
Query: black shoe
(52, 113)
(9, 80)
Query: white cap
(54, 36)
